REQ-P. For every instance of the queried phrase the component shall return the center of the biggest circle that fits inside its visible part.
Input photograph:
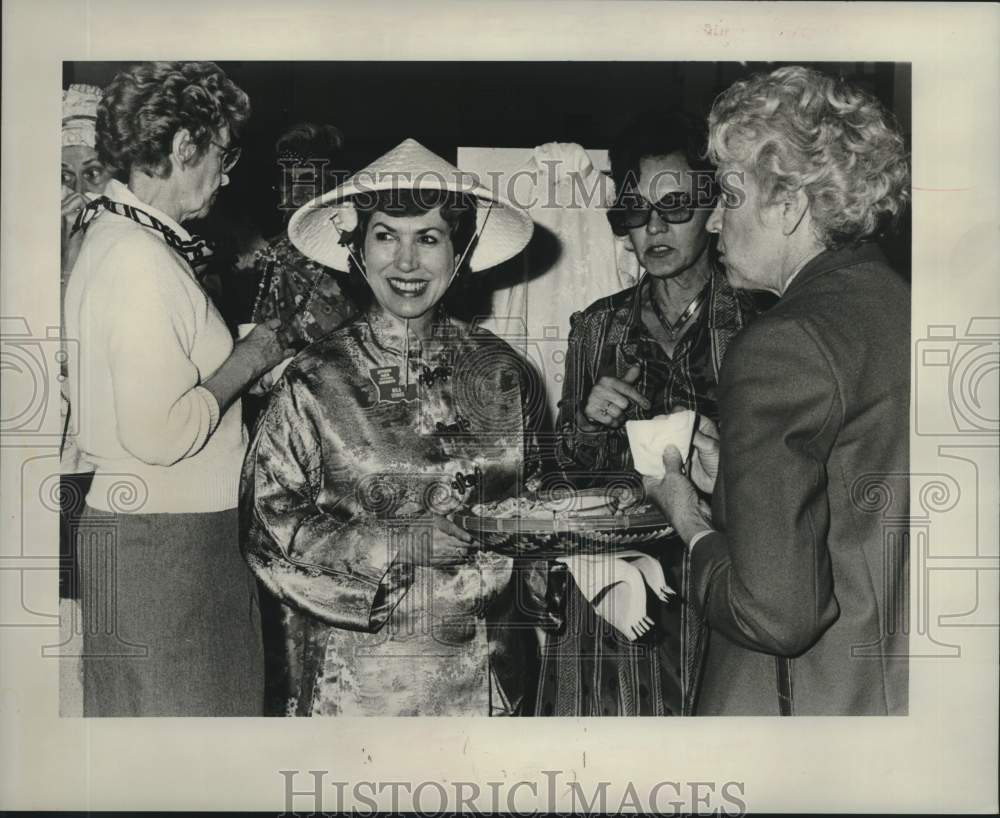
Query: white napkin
(648, 439)
(621, 578)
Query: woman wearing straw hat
(372, 436)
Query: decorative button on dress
(360, 440)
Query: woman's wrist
(247, 366)
(690, 523)
(231, 379)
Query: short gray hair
(799, 129)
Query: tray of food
(584, 520)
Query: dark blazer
(804, 584)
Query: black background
(445, 105)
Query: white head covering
(79, 117)
(317, 227)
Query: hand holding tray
(588, 521)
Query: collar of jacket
(829, 260)
(721, 305)
(386, 336)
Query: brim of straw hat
(317, 227)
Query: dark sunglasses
(230, 156)
(632, 211)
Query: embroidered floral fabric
(305, 295)
(355, 447)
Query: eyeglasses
(632, 211)
(230, 155)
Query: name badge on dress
(390, 387)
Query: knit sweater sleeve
(163, 413)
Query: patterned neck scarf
(196, 250)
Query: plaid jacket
(587, 669)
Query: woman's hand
(452, 529)
(263, 385)
(677, 499)
(705, 458)
(609, 400)
(72, 204)
(251, 357)
(449, 545)
(261, 350)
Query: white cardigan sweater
(146, 336)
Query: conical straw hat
(316, 227)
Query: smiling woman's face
(409, 261)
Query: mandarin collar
(385, 334)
